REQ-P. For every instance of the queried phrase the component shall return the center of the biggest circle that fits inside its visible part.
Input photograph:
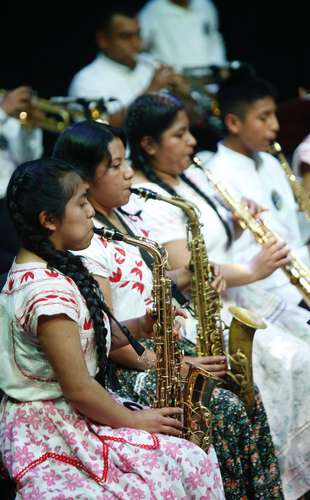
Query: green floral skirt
(243, 443)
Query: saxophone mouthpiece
(108, 234)
(197, 162)
(144, 193)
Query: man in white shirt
(119, 70)
(17, 144)
(182, 33)
(248, 107)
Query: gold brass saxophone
(207, 308)
(51, 117)
(296, 271)
(301, 196)
(172, 390)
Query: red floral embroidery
(145, 232)
(138, 263)
(137, 272)
(103, 242)
(52, 274)
(125, 283)
(26, 276)
(116, 275)
(87, 324)
(10, 283)
(119, 258)
(69, 280)
(139, 286)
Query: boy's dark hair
(104, 20)
(237, 93)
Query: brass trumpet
(51, 117)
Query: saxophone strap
(146, 257)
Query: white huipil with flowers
(51, 450)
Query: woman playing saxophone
(122, 270)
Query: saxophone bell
(241, 335)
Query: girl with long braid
(248, 465)
(161, 148)
(62, 434)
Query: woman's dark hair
(150, 115)
(85, 144)
(47, 185)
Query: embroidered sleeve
(51, 296)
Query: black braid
(34, 239)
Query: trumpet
(50, 117)
(84, 108)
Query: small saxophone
(192, 394)
(301, 196)
(296, 271)
(207, 308)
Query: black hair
(150, 115)
(239, 91)
(105, 18)
(85, 144)
(47, 185)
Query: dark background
(44, 44)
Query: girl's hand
(255, 209)
(147, 322)
(219, 283)
(163, 420)
(217, 365)
(274, 255)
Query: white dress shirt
(182, 37)
(262, 180)
(17, 144)
(106, 78)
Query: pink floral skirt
(54, 453)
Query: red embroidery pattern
(137, 272)
(26, 276)
(79, 465)
(120, 255)
(87, 324)
(116, 275)
(138, 286)
(10, 283)
(52, 274)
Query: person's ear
(149, 145)
(233, 123)
(47, 221)
(102, 40)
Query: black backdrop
(44, 43)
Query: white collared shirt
(264, 182)
(106, 78)
(18, 144)
(167, 32)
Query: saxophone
(296, 271)
(207, 308)
(193, 393)
(301, 196)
